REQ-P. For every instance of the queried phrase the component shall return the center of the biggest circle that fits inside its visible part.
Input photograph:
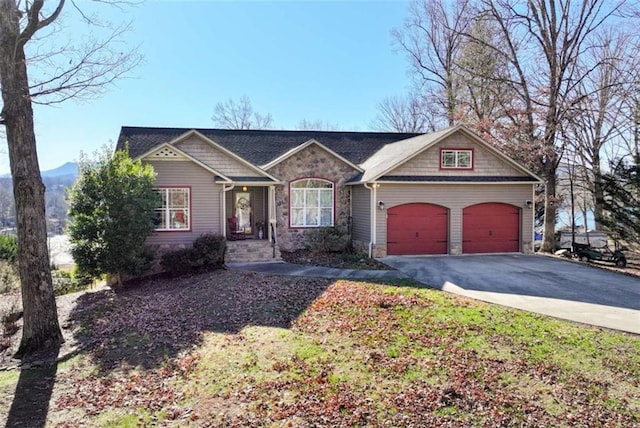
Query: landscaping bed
(339, 260)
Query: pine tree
(621, 199)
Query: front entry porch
(250, 208)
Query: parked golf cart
(586, 253)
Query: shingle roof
(261, 146)
(391, 155)
(457, 178)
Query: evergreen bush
(328, 239)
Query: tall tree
(599, 120)
(621, 188)
(239, 114)
(543, 40)
(404, 114)
(432, 37)
(65, 71)
(484, 99)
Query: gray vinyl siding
(215, 158)
(484, 163)
(361, 213)
(205, 200)
(456, 197)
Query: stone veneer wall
(311, 162)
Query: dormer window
(456, 159)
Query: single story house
(447, 192)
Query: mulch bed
(342, 260)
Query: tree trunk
(598, 193)
(550, 208)
(41, 329)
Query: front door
(242, 207)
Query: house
(447, 192)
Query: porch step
(251, 250)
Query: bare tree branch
(316, 125)
(404, 114)
(239, 115)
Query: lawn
(237, 349)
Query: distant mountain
(69, 168)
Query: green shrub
(9, 279)
(210, 249)
(328, 239)
(82, 278)
(112, 206)
(8, 248)
(65, 282)
(207, 252)
(178, 262)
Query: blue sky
(316, 60)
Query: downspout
(223, 204)
(372, 241)
(533, 219)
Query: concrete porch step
(251, 250)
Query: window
(311, 203)
(173, 212)
(456, 159)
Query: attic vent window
(166, 153)
(456, 159)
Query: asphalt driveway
(541, 284)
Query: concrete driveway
(541, 284)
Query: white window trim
(167, 210)
(310, 190)
(456, 153)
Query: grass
(363, 354)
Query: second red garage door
(417, 229)
(491, 228)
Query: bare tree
(431, 37)
(599, 122)
(239, 115)
(316, 125)
(543, 40)
(404, 114)
(63, 71)
(484, 99)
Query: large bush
(328, 239)
(112, 205)
(207, 252)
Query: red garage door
(417, 229)
(491, 228)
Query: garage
(491, 228)
(417, 228)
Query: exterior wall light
(528, 203)
(380, 205)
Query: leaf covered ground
(235, 349)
